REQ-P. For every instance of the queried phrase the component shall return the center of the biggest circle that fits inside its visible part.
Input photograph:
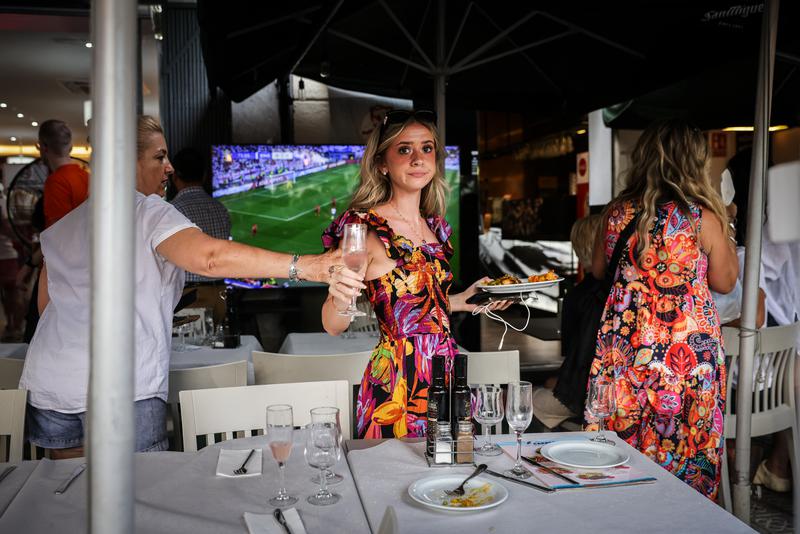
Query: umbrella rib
(458, 34)
(271, 22)
(410, 38)
(316, 35)
(489, 44)
(462, 68)
(595, 36)
(419, 32)
(379, 50)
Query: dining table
(324, 343)
(181, 492)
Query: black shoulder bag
(580, 322)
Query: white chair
(12, 423)
(494, 367)
(773, 390)
(211, 376)
(10, 372)
(206, 412)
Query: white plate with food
(521, 287)
(584, 454)
(479, 493)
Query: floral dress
(412, 307)
(660, 342)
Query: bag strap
(624, 236)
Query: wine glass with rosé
(280, 428)
(354, 254)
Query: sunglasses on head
(399, 116)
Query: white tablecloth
(180, 493)
(384, 472)
(209, 356)
(323, 343)
(13, 350)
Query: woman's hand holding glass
(354, 255)
(519, 413)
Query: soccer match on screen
(282, 197)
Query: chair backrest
(12, 423)
(206, 412)
(276, 368)
(495, 367)
(10, 372)
(210, 376)
(773, 378)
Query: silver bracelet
(293, 272)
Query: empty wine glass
(321, 451)
(519, 413)
(488, 412)
(354, 254)
(602, 403)
(280, 428)
(330, 415)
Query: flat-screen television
(282, 197)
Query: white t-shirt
(56, 372)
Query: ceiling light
(13, 138)
(775, 128)
(88, 45)
(3, 105)
(581, 131)
(20, 115)
(34, 123)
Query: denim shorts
(56, 430)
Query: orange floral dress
(660, 342)
(412, 307)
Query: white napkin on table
(231, 459)
(267, 524)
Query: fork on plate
(242, 469)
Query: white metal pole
(439, 75)
(752, 262)
(111, 416)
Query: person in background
(564, 396)
(56, 371)
(10, 293)
(192, 200)
(401, 198)
(660, 342)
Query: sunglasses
(399, 116)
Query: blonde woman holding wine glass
(401, 199)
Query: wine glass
(354, 254)
(488, 412)
(602, 403)
(280, 427)
(519, 413)
(321, 451)
(328, 415)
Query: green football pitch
(285, 217)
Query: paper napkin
(232, 459)
(267, 524)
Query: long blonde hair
(374, 188)
(669, 162)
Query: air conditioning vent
(80, 88)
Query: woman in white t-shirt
(56, 372)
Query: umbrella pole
(110, 440)
(752, 263)
(439, 76)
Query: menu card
(583, 478)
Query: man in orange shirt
(67, 186)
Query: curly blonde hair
(669, 163)
(374, 188)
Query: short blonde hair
(582, 236)
(374, 188)
(146, 126)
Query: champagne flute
(329, 415)
(280, 427)
(489, 411)
(354, 254)
(602, 403)
(519, 413)
(321, 450)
